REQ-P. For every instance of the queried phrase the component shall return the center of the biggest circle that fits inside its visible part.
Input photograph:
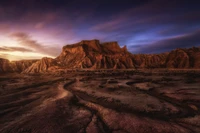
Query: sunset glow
(145, 26)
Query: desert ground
(101, 101)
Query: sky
(32, 29)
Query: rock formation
(41, 66)
(19, 66)
(184, 58)
(5, 65)
(91, 54)
(14, 66)
(150, 60)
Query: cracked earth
(164, 101)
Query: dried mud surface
(101, 101)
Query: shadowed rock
(14, 66)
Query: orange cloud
(12, 49)
(26, 41)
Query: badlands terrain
(118, 101)
(102, 88)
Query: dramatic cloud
(184, 41)
(145, 26)
(12, 49)
(26, 41)
(156, 18)
(14, 57)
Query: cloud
(40, 25)
(4, 28)
(183, 41)
(150, 15)
(37, 17)
(64, 21)
(12, 57)
(26, 41)
(13, 49)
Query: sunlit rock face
(41, 66)
(91, 54)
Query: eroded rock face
(184, 58)
(93, 55)
(19, 66)
(194, 54)
(5, 65)
(150, 60)
(176, 59)
(14, 66)
(41, 66)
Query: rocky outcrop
(88, 54)
(5, 66)
(150, 60)
(15, 66)
(176, 59)
(93, 55)
(42, 65)
(183, 58)
(19, 66)
(194, 55)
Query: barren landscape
(99, 66)
(117, 101)
(95, 88)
